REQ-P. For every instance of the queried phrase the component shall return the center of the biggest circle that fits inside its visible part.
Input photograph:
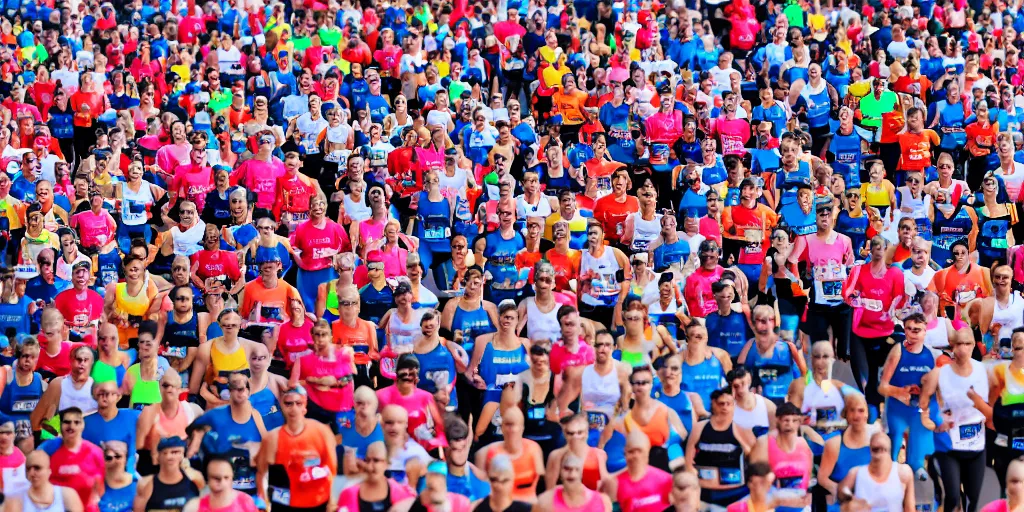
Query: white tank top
(133, 204)
(402, 334)
(188, 242)
(968, 432)
(937, 336)
(1010, 316)
(758, 417)
(604, 286)
(600, 393)
(525, 209)
(542, 326)
(357, 212)
(824, 406)
(913, 283)
(57, 506)
(80, 398)
(337, 135)
(644, 232)
(918, 205)
(885, 496)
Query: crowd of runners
(511, 255)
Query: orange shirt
(567, 267)
(273, 302)
(916, 149)
(981, 136)
(570, 106)
(892, 123)
(359, 337)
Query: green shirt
(873, 109)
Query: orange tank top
(656, 428)
(525, 469)
(358, 337)
(308, 466)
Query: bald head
(394, 413)
(638, 441)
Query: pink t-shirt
(243, 503)
(711, 229)
(79, 470)
(830, 262)
(418, 406)
(561, 358)
(319, 245)
(193, 183)
(171, 156)
(294, 342)
(871, 316)
(349, 498)
(333, 399)
(649, 494)
(734, 134)
(700, 300)
(260, 177)
(95, 229)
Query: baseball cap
(170, 442)
(86, 264)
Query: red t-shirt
(80, 471)
(78, 313)
(58, 365)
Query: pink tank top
(243, 503)
(294, 342)
(594, 502)
(333, 399)
(649, 494)
(997, 506)
(371, 231)
(791, 469)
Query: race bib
(177, 352)
(969, 432)
(280, 496)
(24, 406)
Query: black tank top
(376, 506)
(516, 506)
(719, 452)
(536, 426)
(171, 497)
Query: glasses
(183, 298)
(347, 303)
(879, 449)
(458, 247)
(33, 467)
(167, 385)
(913, 180)
(504, 213)
(640, 383)
(111, 458)
(265, 228)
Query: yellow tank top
(135, 307)
(875, 195)
(222, 364)
(577, 225)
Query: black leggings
(820, 318)
(1003, 457)
(956, 467)
(867, 356)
